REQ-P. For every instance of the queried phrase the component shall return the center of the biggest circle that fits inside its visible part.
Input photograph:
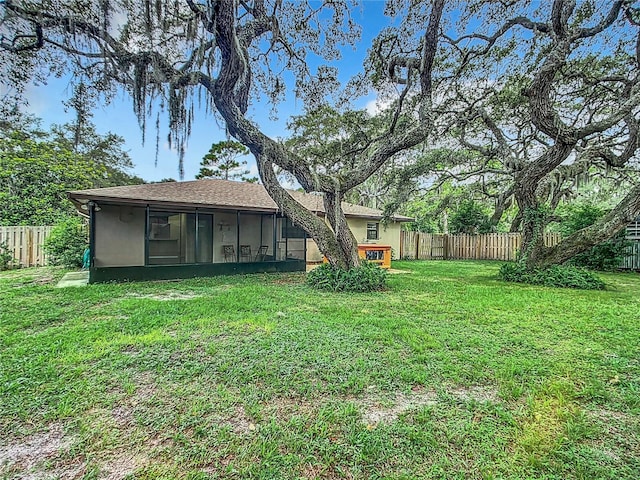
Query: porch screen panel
(295, 238)
(188, 238)
(171, 238)
(251, 236)
(205, 238)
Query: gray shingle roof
(214, 194)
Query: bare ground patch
(24, 457)
(167, 296)
(378, 409)
(477, 393)
(119, 466)
(617, 427)
(386, 409)
(239, 422)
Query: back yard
(449, 374)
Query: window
(372, 231)
(374, 255)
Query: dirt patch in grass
(119, 466)
(620, 431)
(476, 393)
(24, 456)
(606, 416)
(285, 407)
(387, 410)
(322, 471)
(239, 422)
(379, 409)
(167, 296)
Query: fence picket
(26, 244)
(490, 246)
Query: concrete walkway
(74, 279)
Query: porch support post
(146, 235)
(304, 239)
(275, 242)
(197, 246)
(92, 234)
(238, 236)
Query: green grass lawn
(451, 373)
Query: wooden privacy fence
(632, 260)
(25, 244)
(488, 246)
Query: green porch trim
(170, 272)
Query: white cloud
(377, 105)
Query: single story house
(206, 227)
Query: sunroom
(146, 238)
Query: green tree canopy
(222, 162)
(35, 175)
(471, 218)
(37, 168)
(443, 68)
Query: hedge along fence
(25, 243)
(488, 246)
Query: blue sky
(45, 101)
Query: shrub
(66, 243)
(564, 276)
(6, 257)
(470, 218)
(368, 277)
(605, 256)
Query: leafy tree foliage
(228, 52)
(222, 162)
(530, 92)
(38, 168)
(567, 111)
(34, 178)
(331, 140)
(470, 218)
(605, 256)
(561, 113)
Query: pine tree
(222, 162)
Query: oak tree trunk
(607, 227)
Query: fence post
(445, 246)
(29, 247)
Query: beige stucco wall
(389, 235)
(119, 236)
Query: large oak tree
(171, 54)
(229, 51)
(556, 102)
